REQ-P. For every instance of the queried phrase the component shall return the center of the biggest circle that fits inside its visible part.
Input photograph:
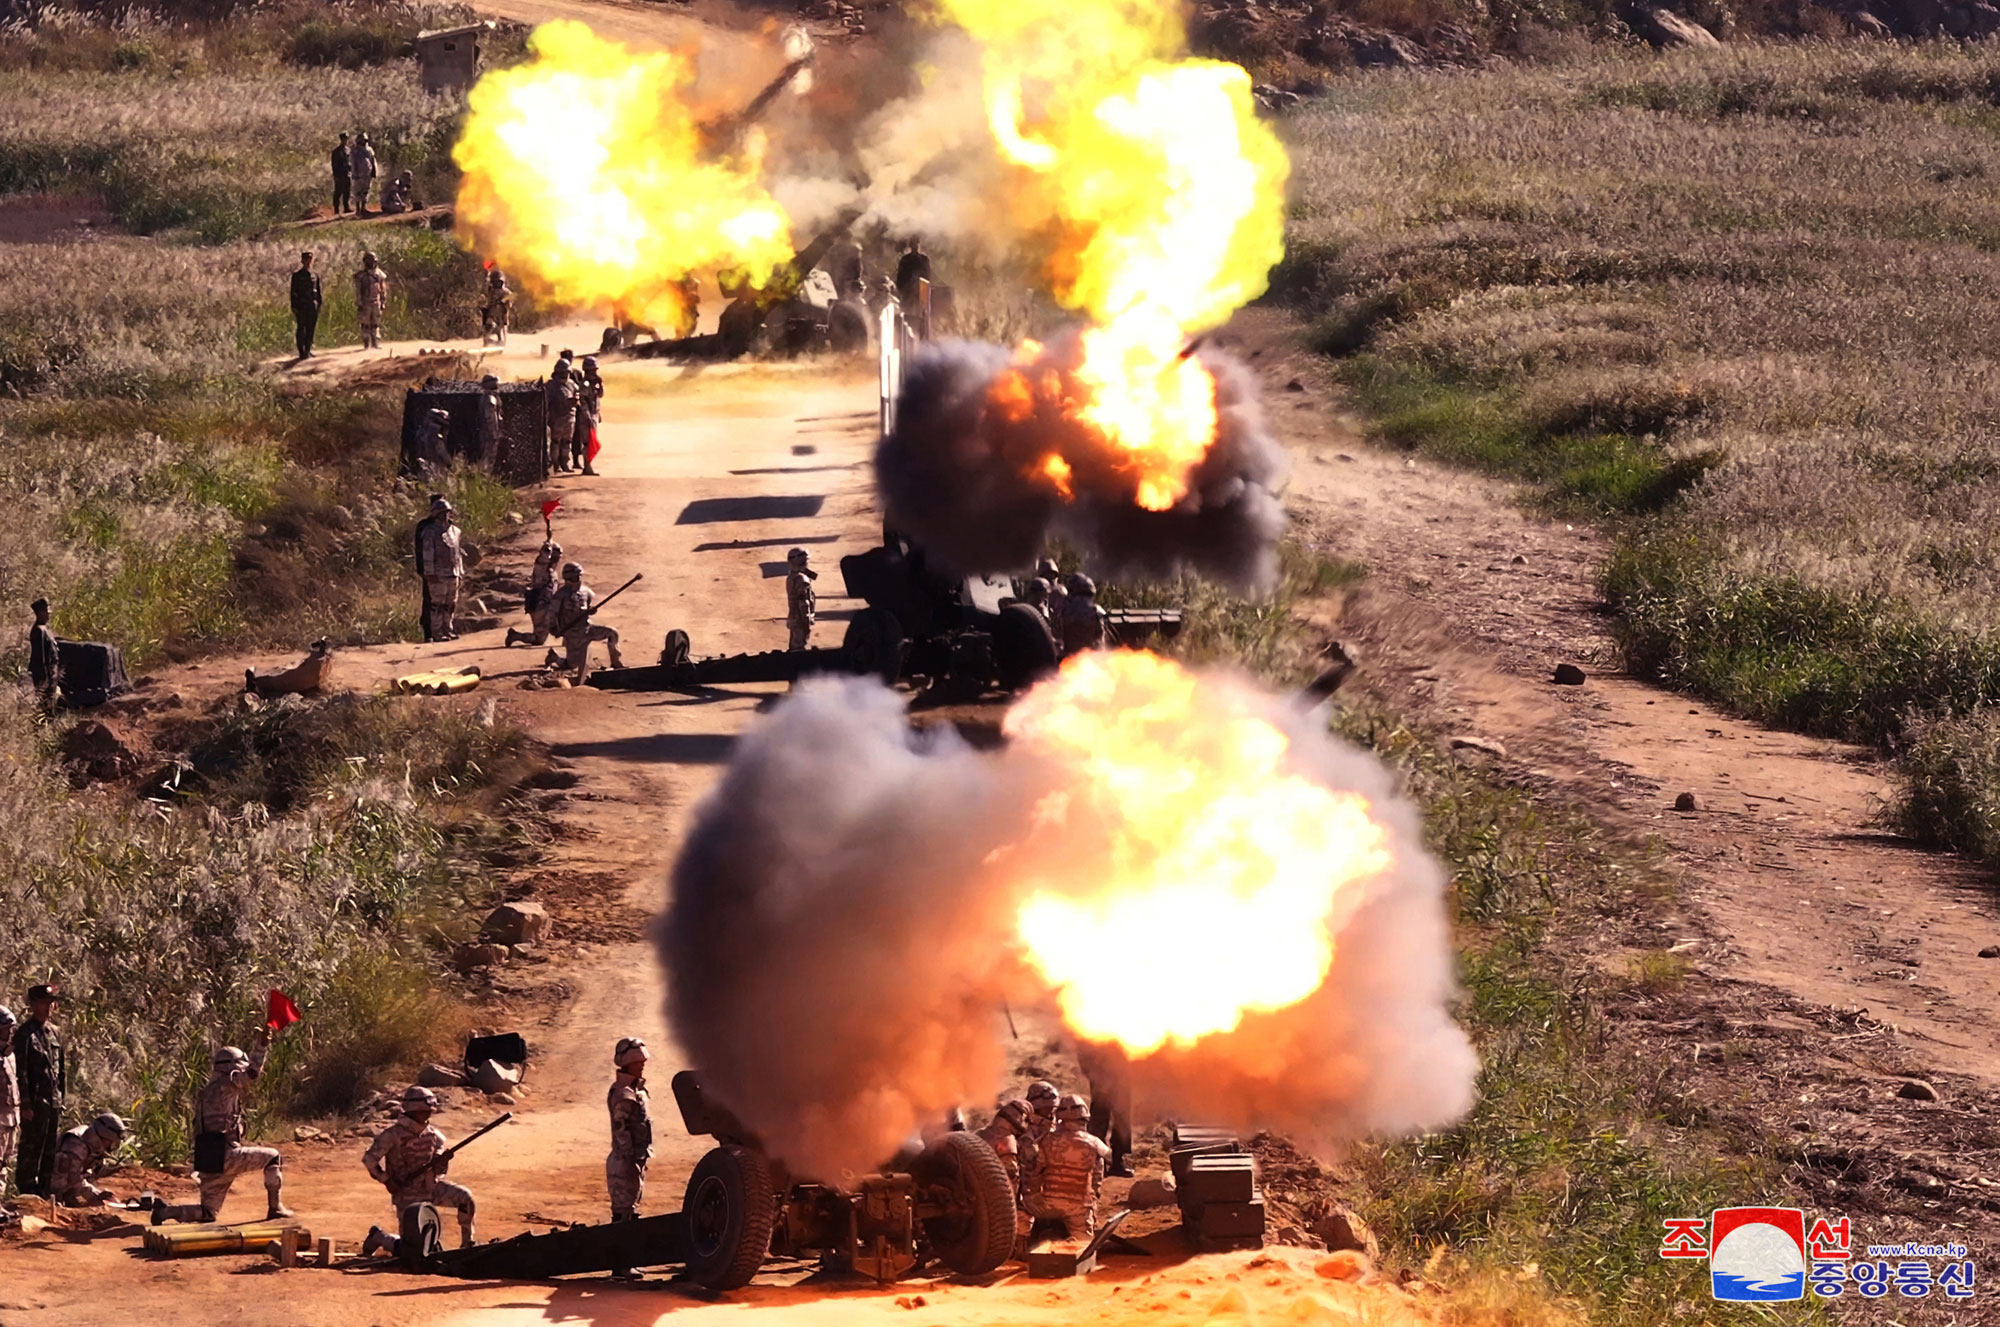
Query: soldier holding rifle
(409, 1159)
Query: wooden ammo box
(1215, 1181)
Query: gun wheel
(976, 1233)
(731, 1211)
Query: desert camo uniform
(631, 1131)
(371, 297)
(401, 1149)
(10, 1096)
(441, 562)
(562, 395)
(801, 604)
(1006, 1135)
(574, 625)
(220, 1108)
(77, 1157)
(1068, 1172)
(541, 597)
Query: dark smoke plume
(961, 477)
(843, 930)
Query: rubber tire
(420, 1235)
(981, 1236)
(1024, 648)
(731, 1211)
(737, 327)
(873, 645)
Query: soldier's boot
(518, 638)
(552, 660)
(279, 1211)
(617, 659)
(378, 1241)
(465, 1239)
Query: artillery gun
(966, 632)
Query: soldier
(498, 309)
(1069, 1168)
(1042, 1098)
(801, 604)
(219, 1110)
(1036, 594)
(689, 313)
(631, 1130)
(1050, 575)
(541, 597)
(441, 562)
(371, 297)
(404, 1159)
(343, 179)
(489, 421)
(432, 443)
(43, 1069)
(562, 395)
(1081, 626)
(362, 168)
(307, 296)
(1007, 1134)
(575, 603)
(10, 1096)
(914, 266)
(396, 193)
(589, 410)
(78, 1156)
(1110, 1072)
(44, 659)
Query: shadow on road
(711, 511)
(657, 748)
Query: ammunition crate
(1222, 1178)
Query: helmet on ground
(630, 1051)
(1015, 1112)
(1072, 1109)
(108, 1127)
(418, 1098)
(572, 571)
(1042, 1096)
(230, 1057)
(1080, 584)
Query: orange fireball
(1188, 844)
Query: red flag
(549, 507)
(279, 1012)
(590, 450)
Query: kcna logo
(1768, 1254)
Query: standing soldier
(541, 597)
(1109, 1070)
(589, 411)
(801, 604)
(1069, 1168)
(306, 300)
(441, 562)
(218, 1138)
(575, 603)
(404, 1159)
(498, 309)
(631, 1130)
(371, 297)
(78, 1155)
(10, 1096)
(562, 396)
(1081, 626)
(363, 169)
(489, 421)
(432, 443)
(914, 266)
(43, 1068)
(343, 178)
(44, 659)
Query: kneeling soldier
(405, 1159)
(218, 1138)
(79, 1154)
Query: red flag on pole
(279, 1012)
(549, 507)
(590, 449)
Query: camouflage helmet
(417, 1098)
(1015, 1112)
(368, 258)
(572, 571)
(1082, 585)
(490, 381)
(796, 555)
(1047, 569)
(590, 361)
(1072, 1109)
(109, 1128)
(230, 1057)
(1036, 591)
(629, 1051)
(1040, 1091)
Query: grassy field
(1738, 303)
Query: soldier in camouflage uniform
(10, 1096)
(589, 411)
(498, 310)
(631, 1130)
(562, 395)
(489, 422)
(1042, 1098)
(403, 1159)
(41, 1066)
(541, 597)
(371, 297)
(1069, 1169)
(1007, 1135)
(1080, 623)
(441, 563)
(78, 1155)
(574, 604)
(219, 1109)
(801, 604)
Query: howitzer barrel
(725, 130)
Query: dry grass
(1751, 291)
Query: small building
(448, 59)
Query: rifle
(396, 1183)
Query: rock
(98, 754)
(1385, 50)
(1664, 28)
(340, 518)
(1344, 1265)
(1293, 1237)
(491, 1077)
(1568, 675)
(467, 958)
(1520, 559)
(1295, 386)
(1274, 98)
(1867, 25)
(516, 924)
(1150, 1193)
(1687, 802)
(500, 1098)
(1916, 1089)
(1991, 951)
(1486, 746)
(305, 1133)
(1342, 1230)
(1340, 664)
(440, 1075)
(180, 1170)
